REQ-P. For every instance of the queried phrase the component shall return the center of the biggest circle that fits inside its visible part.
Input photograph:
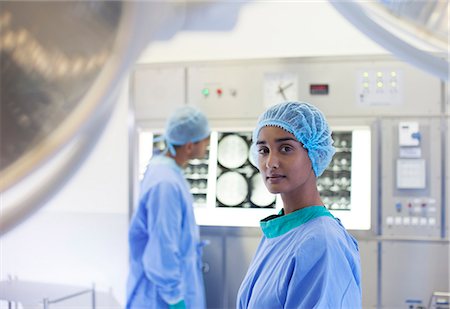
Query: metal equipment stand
(31, 294)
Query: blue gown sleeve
(162, 256)
(321, 275)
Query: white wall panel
(411, 271)
(157, 91)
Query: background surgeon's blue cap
(309, 126)
(186, 124)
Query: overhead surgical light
(61, 65)
(415, 31)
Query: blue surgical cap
(186, 124)
(307, 123)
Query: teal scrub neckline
(277, 225)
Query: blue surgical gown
(164, 242)
(306, 259)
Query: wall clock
(280, 87)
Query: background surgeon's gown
(165, 249)
(306, 259)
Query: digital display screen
(318, 89)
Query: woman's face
(283, 162)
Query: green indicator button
(205, 92)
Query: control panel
(411, 177)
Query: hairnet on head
(309, 126)
(186, 124)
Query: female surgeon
(165, 246)
(306, 258)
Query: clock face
(280, 87)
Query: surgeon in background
(164, 240)
(306, 258)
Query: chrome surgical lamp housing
(62, 63)
(415, 31)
